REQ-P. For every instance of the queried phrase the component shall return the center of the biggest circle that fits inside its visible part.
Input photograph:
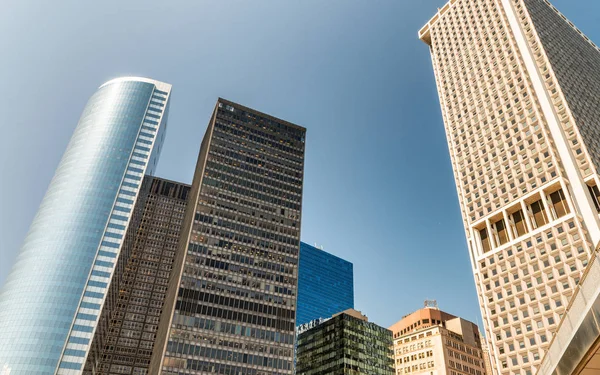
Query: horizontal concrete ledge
(578, 334)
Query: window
(485, 240)
(502, 232)
(559, 203)
(520, 225)
(539, 214)
(595, 192)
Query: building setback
(345, 344)
(430, 341)
(125, 336)
(519, 88)
(231, 308)
(51, 301)
(325, 284)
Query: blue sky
(379, 189)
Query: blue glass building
(325, 285)
(50, 303)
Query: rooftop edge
(424, 33)
(163, 86)
(262, 114)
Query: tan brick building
(432, 342)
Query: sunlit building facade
(432, 342)
(519, 88)
(231, 307)
(51, 301)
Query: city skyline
(15, 227)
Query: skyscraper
(431, 341)
(50, 303)
(125, 336)
(325, 284)
(345, 344)
(231, 308)
(519, 89)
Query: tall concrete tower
(519, 88)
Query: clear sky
(378, 189)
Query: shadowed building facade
(125, 336)
(519, 89)
(345, 344)
(231, 308)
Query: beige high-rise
(519, 88)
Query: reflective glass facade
(345, 344)
(50, 302)
(233, 304)
(325, 284)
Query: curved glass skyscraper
(51, 301)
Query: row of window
(519, 225)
